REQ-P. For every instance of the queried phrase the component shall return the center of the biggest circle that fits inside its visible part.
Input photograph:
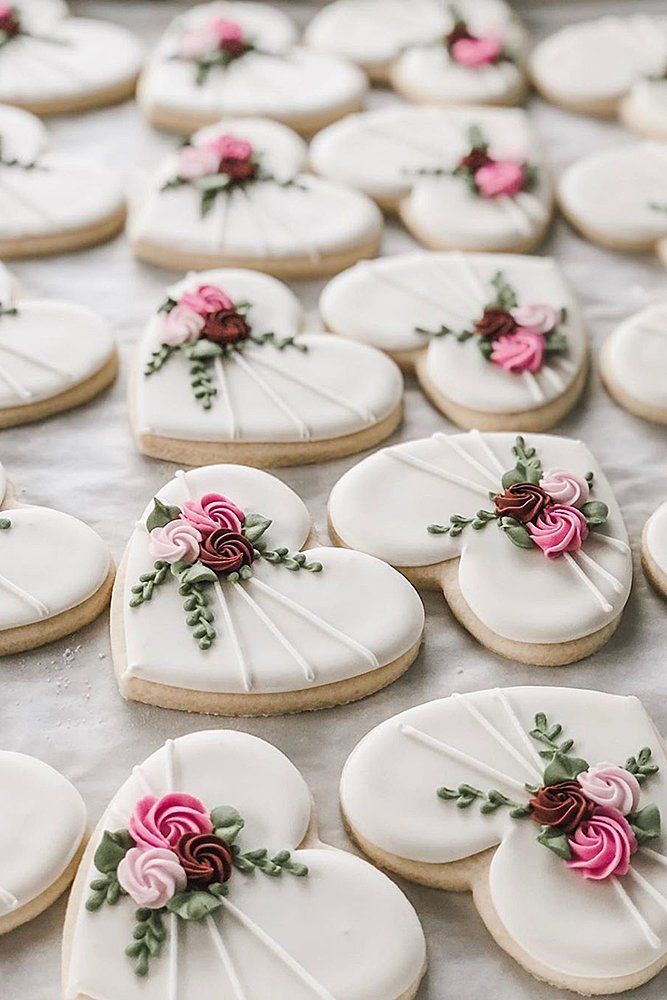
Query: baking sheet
(60, 703)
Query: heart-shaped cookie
(460, 178)
(42, 830)
(633, 364)
(214, 838)
(490, 519)
(561, 852)
(471, 52)
(50, 202)
(236, 196)
(53, 356)
(618, 197)
(51, 63)
(56, 574)
(216, 609)
(606, 66)
(224, 373)
(232, 59)
(497, 341)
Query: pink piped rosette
(473, 51)
(525, 347)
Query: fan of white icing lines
(218, 607)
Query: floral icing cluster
(551, 510)
(204, 324)
(174, 857)
(589, 815)
(492, 178)
(201, 543)
(216, 42)
(10, 23)
(517, 338)
(473, 51)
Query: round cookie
(42, 835)
(51, 63)
(591, 66)
(489, 519)
(216, 609)
(654, 549)
(224, 59)
(633, 364)
(644, 108)
(471, 52)
(225, 374)
(271, 910)
(545, 803)
(497, 341)
(460, 178)
(237, 197)
(50, 202)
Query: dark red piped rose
(563, 805)
(522, 501)
(226, 551)
(458, 32)
(239, 168)
(205, 859)
(475, 160)
(495, 323)
(225, 327)
(9, 22)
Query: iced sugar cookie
(644, 109)
(233, 59)
(55, 574)
(237, 196)
(618, 197)
(546, 804)
(217, 609)
(225, 373)
(497, 341)
(592, 66)
(42, 829)
(654, 549)
(50, 202)
(461, 179)
(213, 838)
(633, 364)
(471, 52)
(53, 356)
(489, 519)
(51, 63)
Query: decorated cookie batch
(205, 874)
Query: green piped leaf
(563, 768)
(112, 849)
(556, 841)
(161, 514)
(194, 905)
(646, 823)
(255, 525)
(595, 512)
(227, 823)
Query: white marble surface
(61, 703)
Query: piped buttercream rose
(10, 24)
(213, 511)
(495, 323)
(565, 487)
(474, 52)
(559, 529)
(226, 327)
(151, 876)
(226, 551)
(602, 845)
(235, 156)
(162, 822)
(521, 501)
(563, 805)
(500, 177)
(218, 34)
(206, 299)
(181, 325)
(611, 786)
(522, 351)
(533, 316)
(177, 541)
(205, 859)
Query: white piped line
(612, 580)
(615, 543)
(597, 594)
(246, 676)
(21, 391)
(650, 936)
(553, 377)
(39, 362)
(479, 438)
(225, 957)
(301, 426)
(433, 470)
(142, 780)
(533, 387)
(497, 735)
(525, 739)
(8, 900)
(661, 859)
(648, 888)
(467, 457)
(19, 592)
(308, 671)
(226, 396)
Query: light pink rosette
(162, 822)
(611, 786)
(602, 845)
(521, 351)
(213, 511)
(474, 52)
(206, 299)
(226, 30)
(565, 488)
(181, 325)
(231, 147)
(535, 316)
(177, 541)
(151, 876)
(196, 42)
(197, 161)
(559, 529)
(5, 9)
(500, 177)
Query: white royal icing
(570, 925)
(265, 220)
(3, 483)
(264, 394)
(655, 537)
(380, 152)
(599, 61)
(384, 35)
(47, 348)
(84, 55)
(635, 356)
(49, 563)
(343, 931)
(41, 827)
(58, 193)
(279, 80)
(619, 194)
(424, 482)
(281, 630)
(7, 287)
(383, 302)
(645, 108)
